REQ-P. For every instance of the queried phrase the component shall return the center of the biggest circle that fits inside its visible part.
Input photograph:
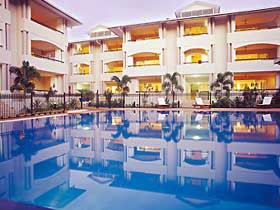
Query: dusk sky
(119, 12)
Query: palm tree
(222, 85)
(24, 78)
(122, 85)
(171, 84)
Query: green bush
(224, 102)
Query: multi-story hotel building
(35, 31)
(199, 43)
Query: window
(7, 36)
(6, 4)
(1, 38)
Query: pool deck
(10, 205)
(93, 110)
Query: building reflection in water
(200, 158)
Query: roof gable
(197, 8)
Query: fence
(14, 105)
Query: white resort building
(198, 43)
(35, 31)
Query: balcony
(199, 68)
(144, 39)
(151, 45)
(46, 25)
(80, 78)
(256, 57)
(47, 57)
(114, 68)
(46, 64)
(144, 64)
(81, 73)
(81, 53)
(255, 28)
(195, 33)
(110, 56)
(196, 61)
(45, 33)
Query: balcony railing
(255, 28)
(144, 38)
(140, 65)
(45, 25)
(199, 62)
(48, 58)
(113, 50)
(81, 73)
(81, 53)
(254, 59)
(115, 71)
(196, 34)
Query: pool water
(139, 160)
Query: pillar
(134, 85)
(171, 160)
(277, 80)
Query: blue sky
(119, 12)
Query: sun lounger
(200, 104)
(162, 103)
(266, 102)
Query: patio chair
(200, 104)
(162, 103)
(266, 102)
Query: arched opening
(196, 56)
(256, 52)
(196, 157)
(46, 50)
(114, 67)
(146, 59)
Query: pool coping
(12, 205)
(93, 110)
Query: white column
(134, 85)
(277, 80)
(209, 26)
(182, 29)
(233, 23)
(278, 51)
(160, 31)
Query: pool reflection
(200, 158)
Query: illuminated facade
(198, 44)
(35, 31)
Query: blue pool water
(143, 160)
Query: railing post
(81, 100)
(123, 100)
(31, 105)
(139, 98)
(64, 102)
(97, 99)
(173, 98)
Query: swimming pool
(143, 160)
